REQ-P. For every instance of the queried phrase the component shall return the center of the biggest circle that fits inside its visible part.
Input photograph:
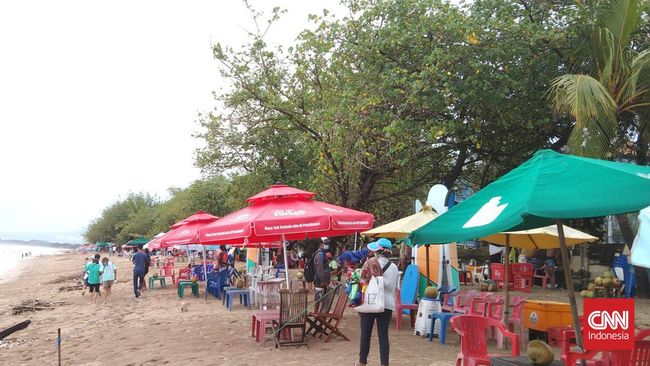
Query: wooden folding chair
(293, 315)
(327, 323)
(323, 306)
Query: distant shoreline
(40, 243)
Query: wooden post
(506, 308)
(58, 345)
(568, 279)
(427, 248)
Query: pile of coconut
(606, 280)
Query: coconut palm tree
(611, 105)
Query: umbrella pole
(355, 241)
(568, 279)
(286, 263)
(506, 308)
(205, 269)
(427, 248)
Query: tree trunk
(456, 170)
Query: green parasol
(138, 241)
(544, 190)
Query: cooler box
(541, 315)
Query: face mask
(325, 247)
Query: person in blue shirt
(139, 260)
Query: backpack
(310, 271)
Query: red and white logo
(609, 324)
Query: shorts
(94, 286)
(108, 284)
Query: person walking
(378, 264)
(93, 279)
(322, 276)
(109, 276)
(139, 260)
(146, 268)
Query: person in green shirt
(334, 268)
(93, 270)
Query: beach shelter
(542, 191)
(547, 237)
(282, 213)
(155, 243)
(186, 234)
(138, 242)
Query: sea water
(12, 256)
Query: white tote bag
(373, 298)
(641, 248)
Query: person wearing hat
(322, 276)
(378, 264)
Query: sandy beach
(153, 329)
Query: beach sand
(153, 330)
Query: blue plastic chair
(444, 321)
(198, 271)
(216, 282)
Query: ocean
(12, 256)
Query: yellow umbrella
(403, 227)
(546, 237)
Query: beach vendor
(109, 276)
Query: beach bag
(373, 297)
(310, 272)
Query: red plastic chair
(184, 274)
(542, 275)
(461, 301)
(516, 317)
(399, 309)
(473, 341)
(607, 358)
(641, 354)
(523, 277)
(168, 272)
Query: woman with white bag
(381, 276)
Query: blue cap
(374, 246)
(385, 243)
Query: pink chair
(641, 353)
(515, 318)
(168, 272)
(399, 310)
(592, 357)
(184, 274)
(542, 275)
(461, 301)
(473, 341)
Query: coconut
(591, 286)
(607, 274)
(540, 353)
(599, 281)
(584, 293)
(607, 282)
(484, 287)
(299, 275)
(616, 283)
(431, 292)
(590, 294)
(492, 287)
(239, 283)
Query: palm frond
(594, 110)
(621, 17)
(636, 86)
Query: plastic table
(161, 280)
(244, 297)
(193, 285)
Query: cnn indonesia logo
(609, 324)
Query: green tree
(370, 109)
(610, 102)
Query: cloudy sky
(99, 99)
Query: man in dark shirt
(139, 262)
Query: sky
(99, 99)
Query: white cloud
(99, 99)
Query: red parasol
(186, 234)
(283, 213)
